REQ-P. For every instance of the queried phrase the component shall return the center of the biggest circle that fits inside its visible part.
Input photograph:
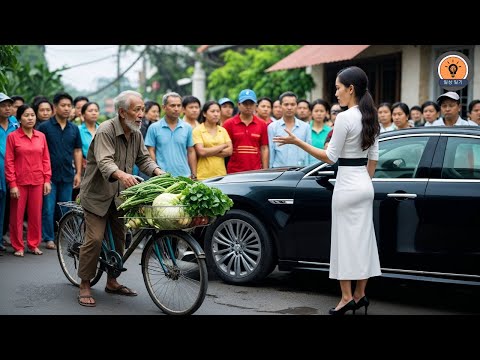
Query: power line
(49, 47)
(120, 75)
(87, 63)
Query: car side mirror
(325, 175)
(393, 164)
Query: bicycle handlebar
(138, 178)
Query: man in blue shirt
(7, 125)
(65, 146)
(288, 155)
(169, 140)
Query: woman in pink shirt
(28, 173)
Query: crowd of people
(52, 151)
(44, 146)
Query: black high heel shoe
(362, 302)
(348, 306)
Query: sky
(84, 77)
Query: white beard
(131, 125)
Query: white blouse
(346, 140)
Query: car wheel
(238, 248)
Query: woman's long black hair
(355, 76)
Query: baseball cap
(451, 95)
(4, 97)
(247, 94)
(225, 100)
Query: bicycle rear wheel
(70, 236)
(175, 272)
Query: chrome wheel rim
(236, 248)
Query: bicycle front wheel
(175, 272)
(70, 236)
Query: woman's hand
(15, 193)
(47, 188)
(282, 140)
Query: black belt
(352, 162)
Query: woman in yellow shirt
(212, 143)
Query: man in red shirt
(249, 136)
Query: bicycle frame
(140, 235)
(173, 263)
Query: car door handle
(402, 196)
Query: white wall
(318, 78)
(476, 73)
(410, 83)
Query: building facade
(396, 72)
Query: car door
(449, 237)
(311, 215)
(400, 181)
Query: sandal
(121, 290)
(18, 253)
(87, 304)
(51, 245)
(36, 251)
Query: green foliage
(101, 118)
(247, 70)
(173, 62)
(8, 64)
(30, 81)
(32, 54)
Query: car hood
(249, 176)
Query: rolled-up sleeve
(104, 150)
(373, 151)
(339, 136)
(144, 162)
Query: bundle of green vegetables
(169, 203)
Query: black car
(426, 212)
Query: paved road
(36, 285)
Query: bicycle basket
(165, 218)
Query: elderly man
(115, 149)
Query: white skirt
(354, 252)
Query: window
(399, 158)
(462, 159)
(384, 76)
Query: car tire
(248, 258)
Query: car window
(462, 159)
(399, 158)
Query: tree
(172, 62)
(247, 70)
(8, 63)
(30, 81)
(32, 54)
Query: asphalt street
(36, 285)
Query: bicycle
(173, 263)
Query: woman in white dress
(354, 253)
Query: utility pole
(143, 83)
(118, 68)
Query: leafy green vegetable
(200, 199)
